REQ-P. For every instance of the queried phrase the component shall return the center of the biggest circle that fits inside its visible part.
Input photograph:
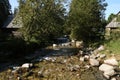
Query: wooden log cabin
(7, 18)
(114, 25)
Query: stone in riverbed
(82, 59)
(113, 79)
(94, 62)
(18, 78)
(110, 72)
(106, 76)
(55, 45)
(93, 56)
(16, 68)
(87, 66)
(27, 65)
(79, 43)
(111, 61)
(106, 67)
(14, 71)
(102, 56)
(101, 48)
(86, 57)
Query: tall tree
(111, 17)
(5, 8)
(41, 19)
(85, 19)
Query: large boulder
(94, 62)
(109, 72)
(111, 61)
(106, 67)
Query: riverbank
(66, 63)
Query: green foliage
(44, 20)
(113, 46)
(85, 19)
(110, 18)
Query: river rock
(27, 65)
(54, 45)
(106, 76)
(98, 55)
(53, 59)
(102, 56)
(73, 40)
(76, 66)
(113, 79)
(111, 61)
(110, 72)
(86, 57)
(66, 44)
(101, 48)
(79, 43)
(82, 59)
(94, 62)
(14, 71)
(93, 56)
(87, 66)
(16, 68)
(106, 67)
(65, 61)
(18, 78)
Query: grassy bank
(113, 46)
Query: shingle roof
(9, 23)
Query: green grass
(113, 46)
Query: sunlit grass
(113, 46)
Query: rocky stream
(63, 63)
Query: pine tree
(111, 17)
(42, 20)
(85, 19)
